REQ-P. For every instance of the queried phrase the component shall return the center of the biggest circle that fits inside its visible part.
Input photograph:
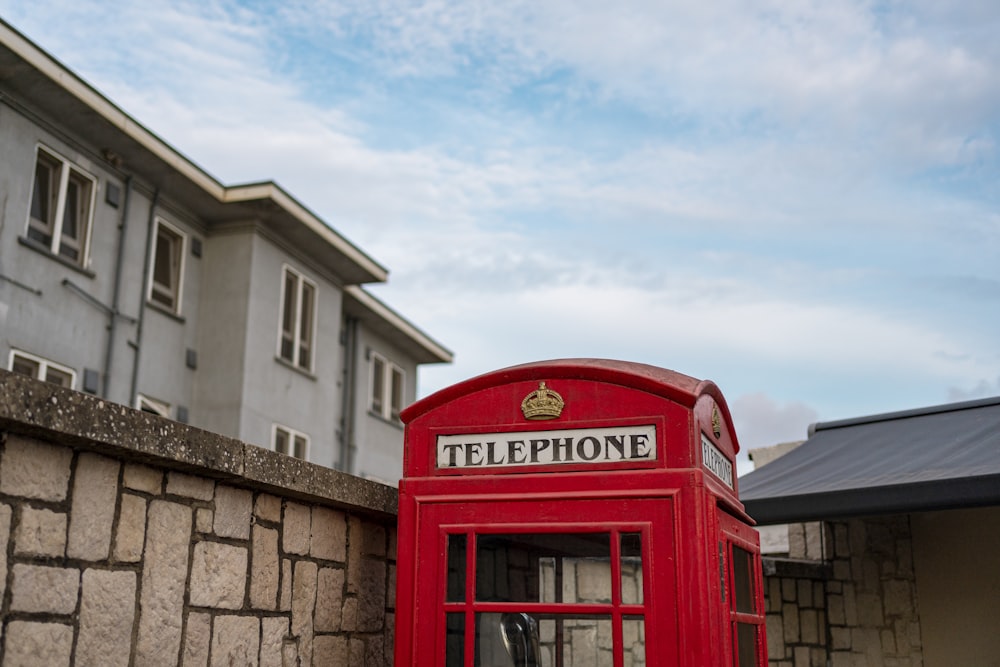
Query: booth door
(547, 584)
(739, 548)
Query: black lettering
(537, 447)
(490, 460)
(616, 441)
(515, 451)
(472, 448)
(582, 452)
(639, 445)
(451, 451)
(562, 449)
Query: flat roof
(942, 457)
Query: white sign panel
(716, 461)
(529, 448)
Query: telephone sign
(575, 512)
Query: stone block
(107, 615)
(329, 534)
(44, 590)
(190, 486)
(203, 520)
(131, 529)
(285, 599)
(142, 478)
(373, 543)
(164, 575)
(296, 529)
(218, 575)
(775, 636)
(33, 469)
(790, 618)
(870, 610)
(232, 512)
(268, 508)
(197, 640)
(809, 631)
(331, 650)
(898, 597)
(41, 532)
(329, 598)
(5, 520)
(265, 568)
(95, 492)
(235, 641)
(788, 590)
(33, 644)
(303, 607)
(272, 638)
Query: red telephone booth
(575, 513)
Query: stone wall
(133, 540)
(856, 607)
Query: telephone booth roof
(598, 392)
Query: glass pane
(396, 392)
(288, 316)
(25, 367)
(300, 447)
(378, 383)
(305, 326)
(631, 554)
(454, 645)
(43, 197)
(746, 645)
(281, 441)
(544, 567)
(58, 377)
(456, 568)
(634, 641)
(518, 639)
(742, 580)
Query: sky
(799, 200)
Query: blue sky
(798, 200)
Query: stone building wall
(855, 607)
(132, 540)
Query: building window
(290, 442)
(298, 318)
(42, 369)
(168, 267)
(387, 388)
(62, 200)
(152, 406)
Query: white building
(128, 272)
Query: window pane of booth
(454, 640)
(743, 580)
(634, 641)
(529, 640)
(544, 567)
(631, 555)
(746, 649)
(456, 568)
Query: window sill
(163, 310)
(45, 250)
(391, 422)
(301, 371)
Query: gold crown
(543, 403)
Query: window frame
(49, 232)
(43, 366)
(292, 435)
(144, 403)
(294, 336)
(383, 400)
(176, 291)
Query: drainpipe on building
(347, 401)
(137, 343)
(113, 317)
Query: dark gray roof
(942, 457)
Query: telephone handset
(519, 632)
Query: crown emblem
(543, 403)
(716, 422)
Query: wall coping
(48, 412)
